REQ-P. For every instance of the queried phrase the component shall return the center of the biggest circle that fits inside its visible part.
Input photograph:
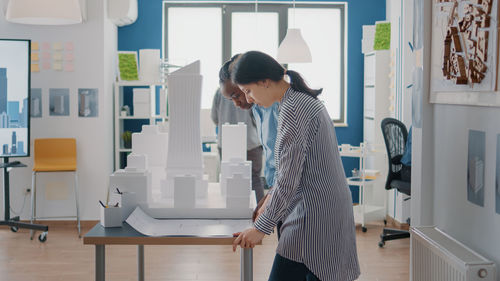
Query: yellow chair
(54, 155)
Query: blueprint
(149, 226)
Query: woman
(311, 195)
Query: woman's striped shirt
(311, 195)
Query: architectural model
(166, 164)
(466, 43)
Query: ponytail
(297, 83)
(254, 66)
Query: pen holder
(111, 217)
(128, 203)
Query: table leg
(246, 264)
(99, 263)
(140, 262)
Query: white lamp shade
(44, 12)
(293, 48)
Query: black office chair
(395, 135)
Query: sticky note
(45, 46)
(35, 57)
(69, 46)
(34, 46)
(35, 67)
(68, 57)
(57, 56)
(69, 67)
(57, 66)
(46, 55)
(57, 46)
(46, 65)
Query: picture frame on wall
(128, 67)
(464, 53)
(36, 103)
(476, 167)
(59, 102)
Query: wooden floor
(64, 257)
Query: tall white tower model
(184, 157)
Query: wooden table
(126, 235)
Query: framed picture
(464, 52)
(88, 103)
(59, 102)
(127, 66)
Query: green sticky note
(127, 64)
(382, 36)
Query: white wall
(477, 227)
(95, 44)
(439, 167)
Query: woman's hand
(248, 238)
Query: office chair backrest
(395, 135)
(55, 154)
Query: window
(214, 32)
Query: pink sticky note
(46, 65)
(46, 55)
(45, 46)
(69, 46)
(69, 67)
(68, 57)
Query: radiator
(435, 256)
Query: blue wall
(146, 33)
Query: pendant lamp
(44, 12)
(293, 48)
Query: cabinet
(123, 95)
(376, 107)
(378, 104)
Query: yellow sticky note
(57, 56)
(57, 66)
(35, 57)
(57, 46)
(34, 46)
(35, 67)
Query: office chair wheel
(42, 237)
(364, 229)
(381, 244)
(14, 228)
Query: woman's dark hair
(225, 70)
(254, 66)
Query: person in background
(406, 160)
(223, 111)
(266, 120)
(310, 193)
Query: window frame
(229, 7)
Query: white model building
(136, 177)
(184, 138)
(236, 172)
(165, 168)
(153, 142)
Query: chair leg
(33, 203)
(77, 206)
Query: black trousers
(288, 270)
(406, 173)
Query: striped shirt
(311, 195)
